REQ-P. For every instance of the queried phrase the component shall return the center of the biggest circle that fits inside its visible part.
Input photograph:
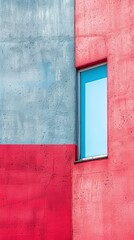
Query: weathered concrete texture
(103, 190)
(37, 75)
(35, 192)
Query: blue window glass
(93, 112)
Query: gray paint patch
(37, 74)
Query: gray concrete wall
(37, 74)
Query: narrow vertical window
(93, 112)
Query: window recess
(93, 112)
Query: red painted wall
(103, 190)
(35, 192)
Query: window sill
(99, 157)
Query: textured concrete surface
(103, 190)
(37, 74)
(35, 192)
(37, 108)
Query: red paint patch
(35, 192)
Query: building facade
(103, 193)
(46, 193)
